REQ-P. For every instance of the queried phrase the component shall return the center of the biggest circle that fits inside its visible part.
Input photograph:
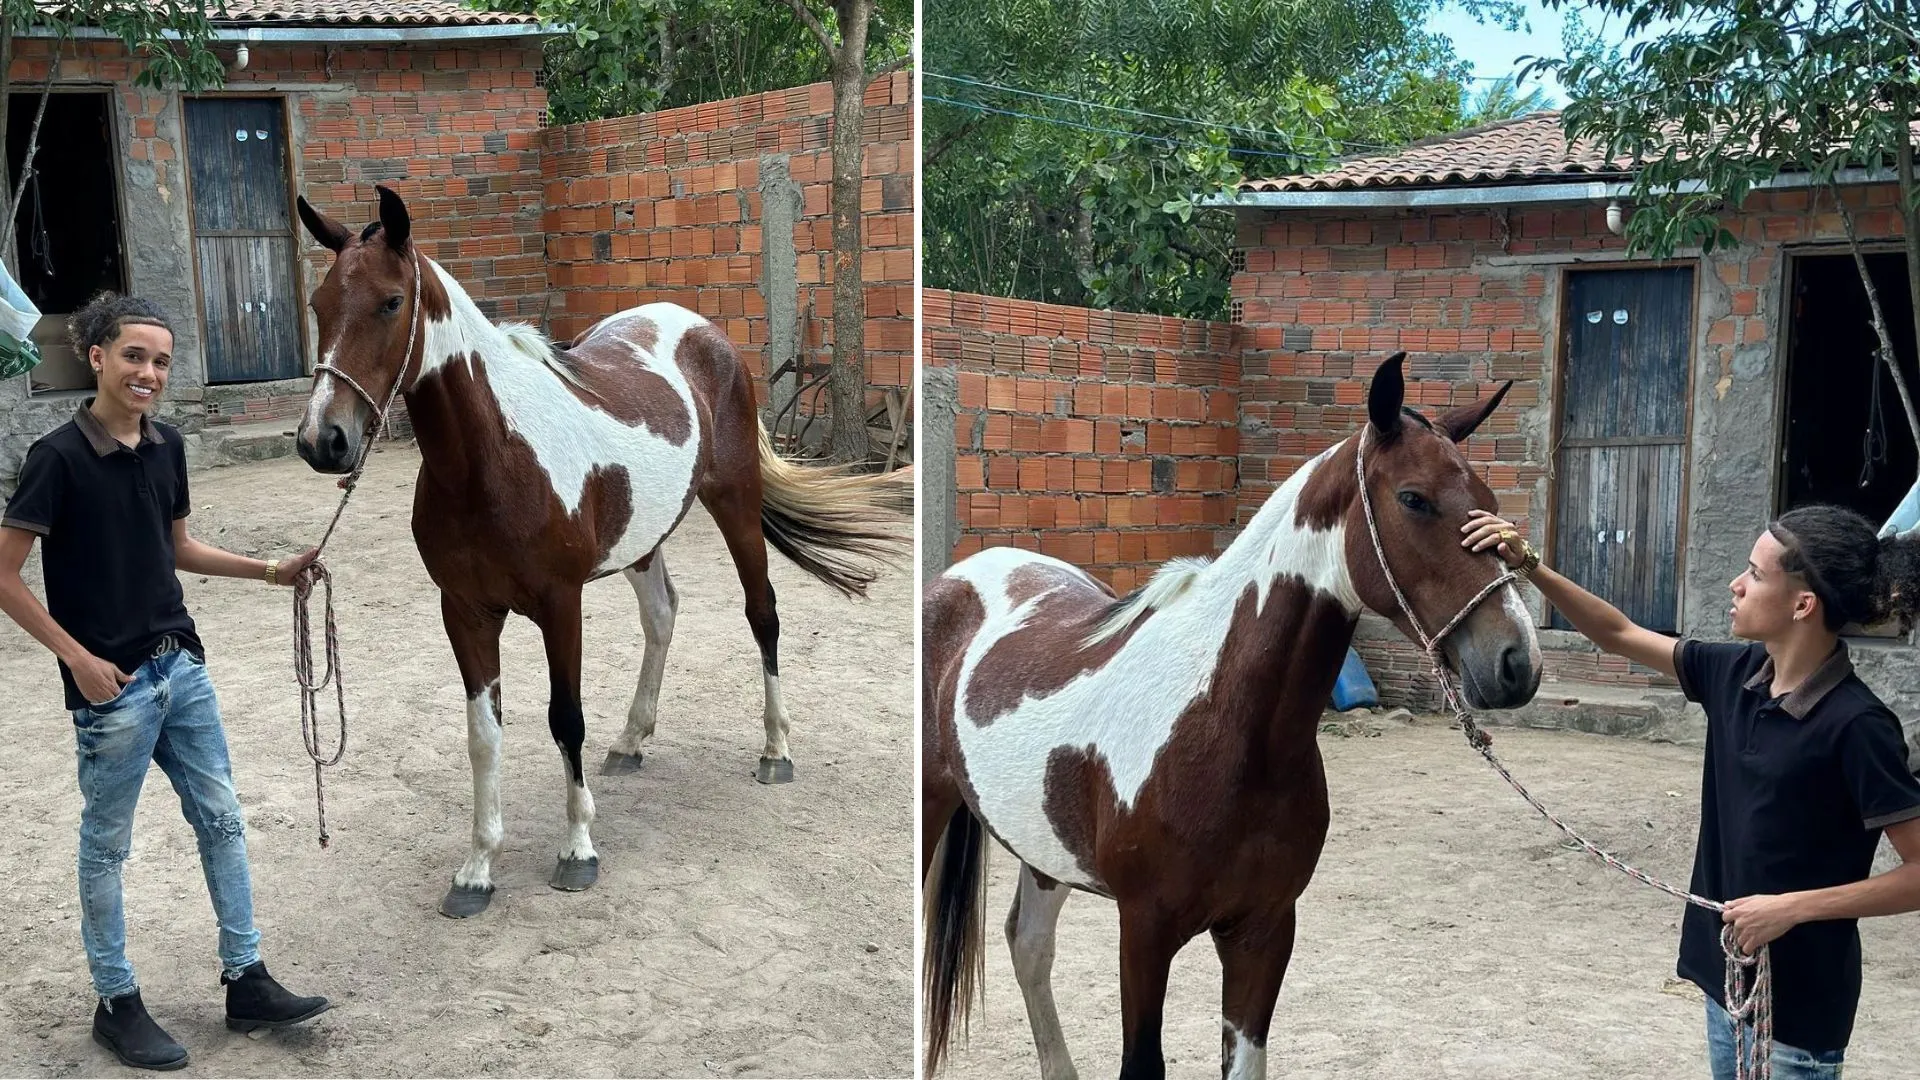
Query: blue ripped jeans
(167, 715)
(1789, 1062)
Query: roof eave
(344, 33)
(1463, 196)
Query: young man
(1804, 769)
(106, 496)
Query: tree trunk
(1891, 358)
(1082, 247)
(848, 384)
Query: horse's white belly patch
(571, 439)
(1123, 711)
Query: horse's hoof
(775, 771)
(466, 901)
(619, 764)
(574, 875)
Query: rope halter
(1748, 985)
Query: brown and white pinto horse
(1160, 749)
(544, 467)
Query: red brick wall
(666, 206)
(1103, 438)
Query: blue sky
(1494, 52)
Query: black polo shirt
(1795, 792)
(104, 513)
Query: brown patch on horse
(1049, 650)
(435, 304)
(951, 614)
(606, 500)
(1234, 815)
(1035, 578)
(621, 385)
(1329, 492)
(1077, 787)
(482, 481)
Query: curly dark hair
(100, 322)
(1858, 577)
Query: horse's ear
(394, 222)
(332, 235)
(1459, 423)
(1386, 395)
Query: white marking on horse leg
(483, 752)
(1245, 1060)
(777, 720)
(1030, 935)
(579, 843)
(658, 605)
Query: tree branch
(1879, 317)
(891, 66)
(33, 145)
(812, 22)
(950, 139)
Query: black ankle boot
(254, 1000)
(122, 1026)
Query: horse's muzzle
(327, 449)
(1505, 676)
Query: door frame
(1790, 257)
(118, 124)
(293, 218)
(1562, 340)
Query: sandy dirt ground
(736, 930)
(1450, 933)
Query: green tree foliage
(1502, 99)
(1733, 93)
(632, 56)
(1088, 198)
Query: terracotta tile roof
(358, 13)
(1528, 148)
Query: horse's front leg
(1253, 959)
(559, 621)
(474, 632)
(1148, 941)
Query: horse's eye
(1415, 502)
(392, 305)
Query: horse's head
(1421, 491)
(367, 316)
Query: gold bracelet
(1528, 562)
(273, 570)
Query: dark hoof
(465, 901)
(574, 875)
(775, 771)
(619, 764)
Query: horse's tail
(954, 967)
(819, 515)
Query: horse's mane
(527, 339)
(1167, 585)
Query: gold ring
(1509, 536)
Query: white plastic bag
(18, 317)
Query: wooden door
(243, 239)
(1621, 451)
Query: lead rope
(1748, 1003)
(317, 573)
